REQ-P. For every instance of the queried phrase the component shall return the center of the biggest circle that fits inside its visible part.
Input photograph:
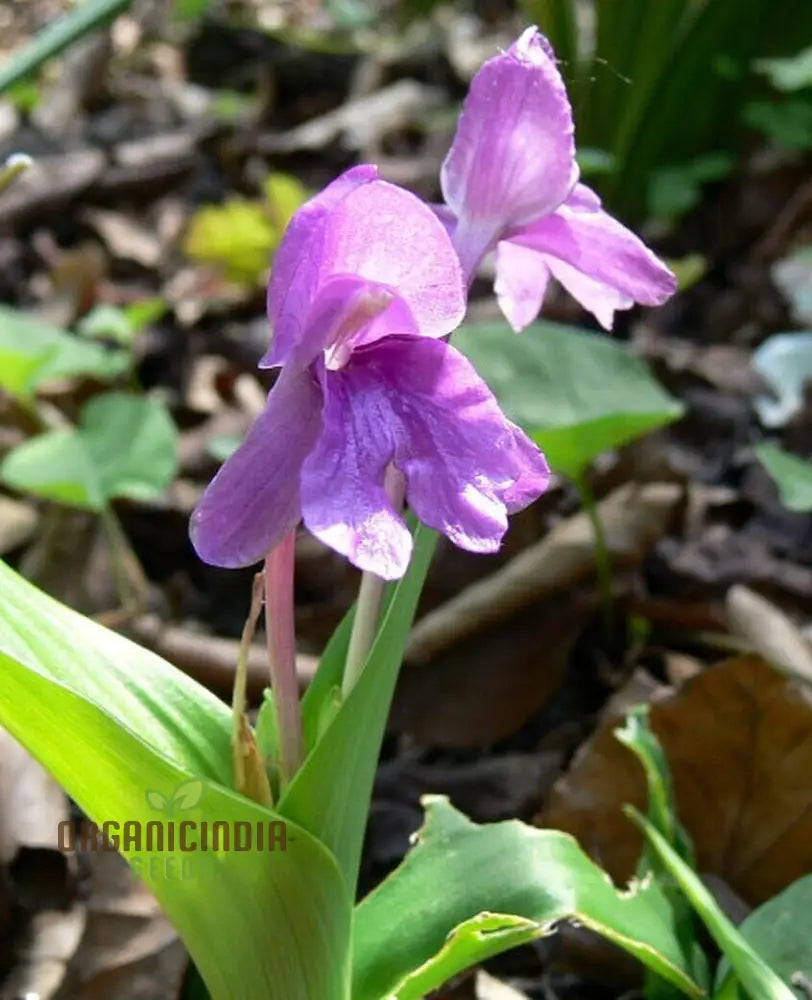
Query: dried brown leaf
(739, 741)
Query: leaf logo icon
(157, 801)
(187, 795)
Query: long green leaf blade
(758, 979)
(179, 718)
(260, 925)
(58, 36)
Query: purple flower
(365, 285)
(510, 185)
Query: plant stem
(279, 627)
(602, 561)
(130, 579)
(370, 597)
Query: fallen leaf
(488, 988)
(18, 522)
(31, 803)
(360, 122)
(488, 684)
(739, 741)
(130, 951)
(125, 238)
(633, 518)
(769, 631)
(42, 879)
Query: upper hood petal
(513, 156)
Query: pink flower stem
(279, 627)
(370, 597)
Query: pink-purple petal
(344, 502)
(600, 299)
(420, 404)
(299, 264)
(513, 156)
(593, 243)
(253, 501)
(347, 311)
(388, 235)
(521, 283)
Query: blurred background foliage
(666, 93)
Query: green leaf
(124, 446)
(123, 731)
(180, 719)
(788, 123)
(330, 795)
(706, 50)
(792, 73)
(106, 322)
(637, 736)
(792, 475)
(576, 393)
(758, 979)
(498, 885)
(675, 190)
(189, 10)
(55, 465)
(779, 931)
(33, 353)
(225, 904)
(237, 235)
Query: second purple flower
(365, 284)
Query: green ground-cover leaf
(259, 924)
(121, 323)
(576, 393)
(779, 932)
(637, 736)
(499, 885)
(759, 981)
(789, 74)
(792, 475)
(124, 446)
(33, 353)
(331, 793)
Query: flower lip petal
(253, 501)
(344, 502)
(416, 402)
(513, 156)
